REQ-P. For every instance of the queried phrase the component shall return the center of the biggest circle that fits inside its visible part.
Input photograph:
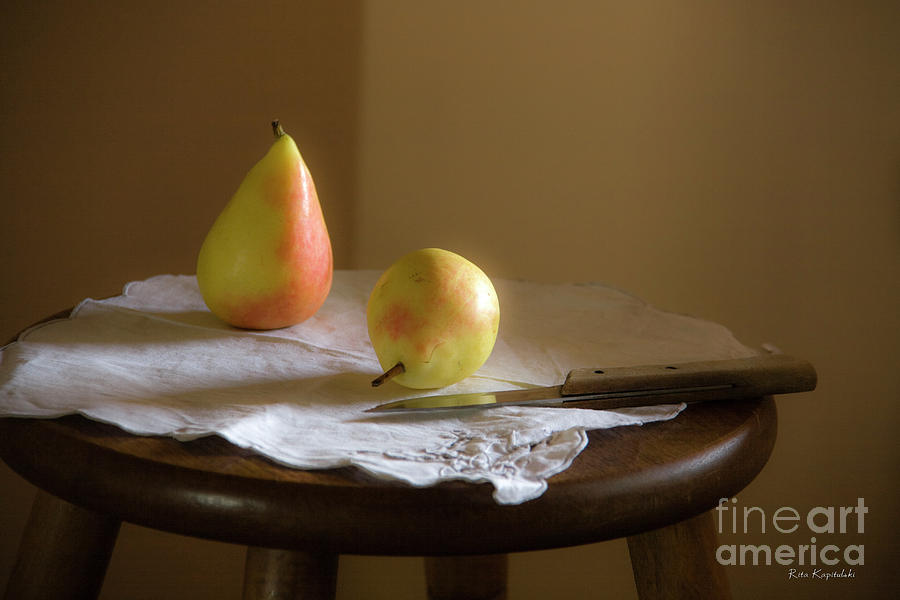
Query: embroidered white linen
(154, 361)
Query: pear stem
(277, 129)
(392, 372)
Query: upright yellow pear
(267, 263)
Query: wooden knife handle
(762, 375)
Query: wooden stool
(653, 484)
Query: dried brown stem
(392, 372)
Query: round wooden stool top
(628, 480)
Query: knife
(618, 387)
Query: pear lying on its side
(267, 263)
(433, 318)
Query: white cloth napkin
(155, 361)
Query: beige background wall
(736, 161)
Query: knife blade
(646, 385)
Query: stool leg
(466, 577)
(283, 574)
(679, 562)
(64, 551)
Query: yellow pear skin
(266, 262)
(433, 319)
